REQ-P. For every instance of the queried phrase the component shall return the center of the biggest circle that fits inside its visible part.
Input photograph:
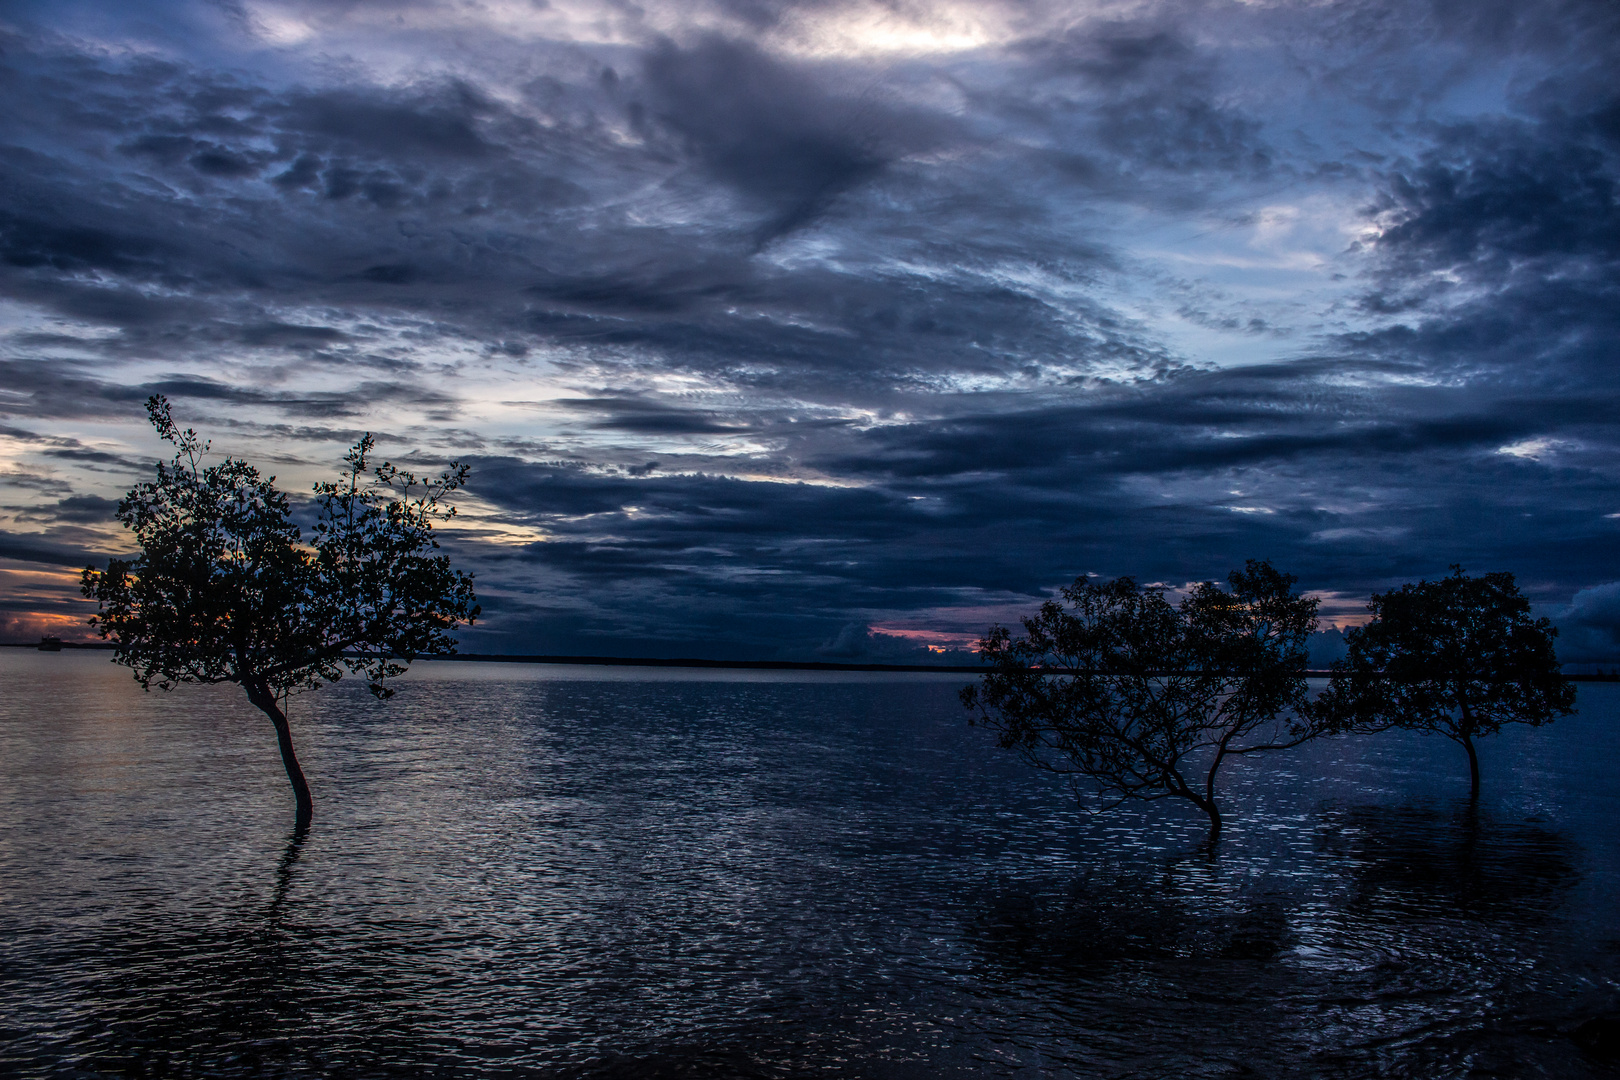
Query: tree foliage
(1460, 657)
(1116, 686)
(226, 589)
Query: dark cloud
(207, 158)
(1507, 192)
(756, 345)
(1203, 420)
(83, 510)
(1145, 99)
(1326, 647)
(289, 335)
(776, 132)
(32, 243)
(30, 549)
(649, 417)
(1589, 628)
(46, 389)
(858, 643)
(439, 121)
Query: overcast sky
(832, 329)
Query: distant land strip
(1612, 675)
(691, 662)
(607, 661)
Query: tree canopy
(226, 589)
(1145, 699)
(1460, 657)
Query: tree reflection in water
(772, 879)
(1414, 942)
(1414, 863)
(284, 875)
(1102, 920)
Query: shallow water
(585, 872)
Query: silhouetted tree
(226, 590)
(1459, 656)
(1148, 700)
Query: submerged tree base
(304, 809)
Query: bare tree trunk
(1466, 733)
(1473, 766)
(1207, 803)
(260, 695)
(1214, 813)
(1208, 806)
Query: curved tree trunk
(1208, 806)
(1473, 766)
(261, 696)
(1207, 803)
(1214, 813)
(1465, 735)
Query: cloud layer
(774, 329)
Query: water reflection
(284, 874)
(1459, 862)
(619, 878)
(699, 1062)
(1092, 924)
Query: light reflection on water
(616, 872)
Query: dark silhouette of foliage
(225, 589)
(1148, 700)
(1459, 656)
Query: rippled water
(582, 872)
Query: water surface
(587, 872)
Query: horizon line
(741, 665)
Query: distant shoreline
(735, 665)
(614, 661)
(692, 662)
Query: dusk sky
(832, 330)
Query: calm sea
(586, 872)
